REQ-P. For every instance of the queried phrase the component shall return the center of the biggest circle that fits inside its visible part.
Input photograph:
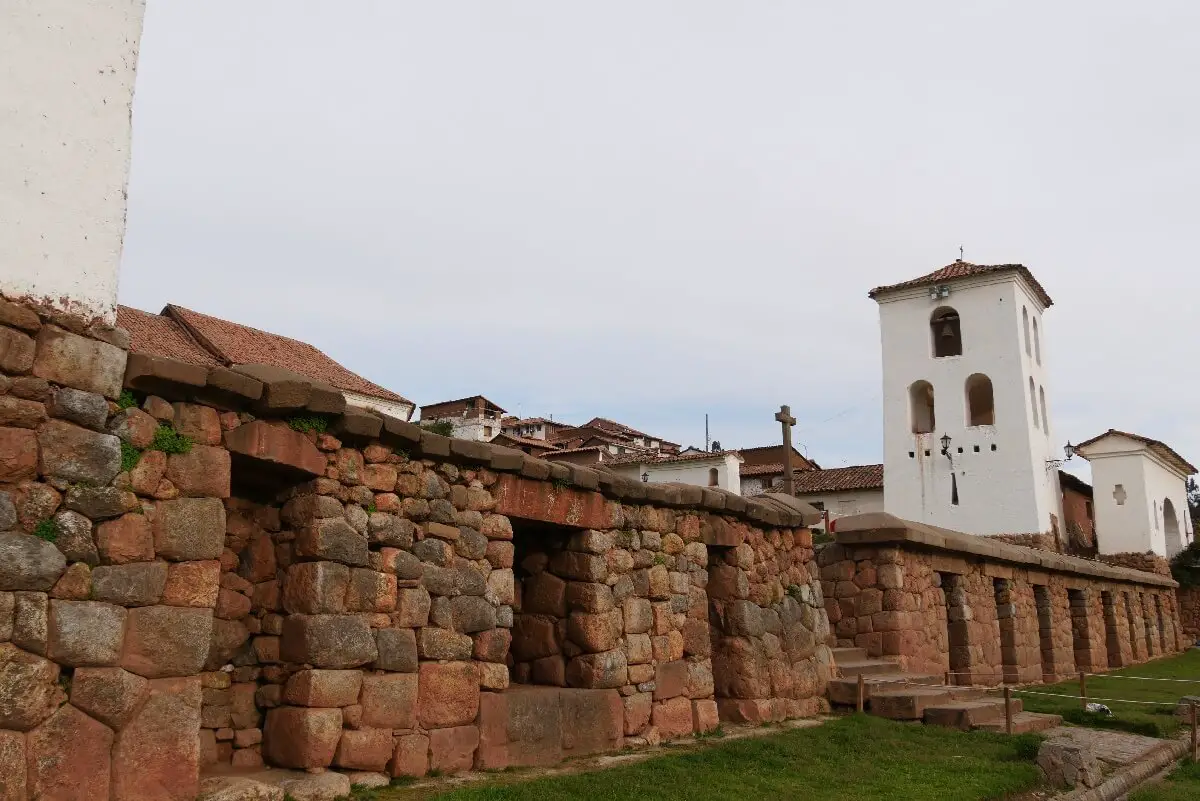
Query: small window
(712, 477)
(1045, 417)
(818, 505)
(1119, 494)
(1037, 344)
(1025, 325)
(487, 432)
(1033, 402)
(981, 407)
(953, 489)
(946, 329)
(920, 398)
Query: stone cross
(786, 420)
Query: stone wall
(939, 601)
(204, 566)
(1189, 613)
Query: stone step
(868, 667)
(911, 703)
(966, 715)
(1024, 722)
(849, 654)
(845, 691)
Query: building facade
(475, 418)
(964, 365)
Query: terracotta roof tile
(963, 269)
(1164, 451)
(241, 344)
(155, 335)
(652, 457)
(527, 441)
(835, 479)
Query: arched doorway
(1171, 528)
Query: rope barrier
(1094, 698)
(1141, 678)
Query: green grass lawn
(1182, 785)
(1153, 721)
(857, 758)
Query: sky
(652, 211)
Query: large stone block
(85, 633)
(412, 608)
(88, 409)
(18, 454)
(134, 584)
(276, 445)
(157, 754)
(29, 691)
(438, 643)
(201, 423)
(471, 613)
(598, 671)
(31, 621)
(29, 563)
(68, 758)
(370, 591)
(593, 721)
(12, 766)
(194, 584)
(544, 594)
(134, 427)
(79, 362)
(533, 638)
(452, 750)
(109, 694)
(673, 718)
(189, 529)
(75, 538)
(16, 351)
(411, 757)
(397, 650)
(328, 641)
(313, 588)
(72, 453)
(364, 749)
(299, 737)
(100, 503)
(595, 633)
(323, 688)
(389, 701)
(202, 472)
(21, 413)
(162, 641)
(448, 695)
(332, 539)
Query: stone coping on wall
(880, 528)
(275, 392)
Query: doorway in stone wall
(1045, 615)
(536, 654)
(1112, 640)
(1147, 625)
(958, 613)
(1006, 621)
(1162, 629)
(1081, 632)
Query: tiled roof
(487, 403)
(527, 441)
(156, 335)
(585, 449)
(650, 457)
(963, 269)
(835, 479)
(234, 343)
(1161, 449)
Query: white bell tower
(967, 437)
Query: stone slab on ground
(1113, 748)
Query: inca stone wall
(1189, 614)
(988, 612)
(228, 566)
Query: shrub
(308, 423)
(1027, 746)
(126, 400)
(130, 456)
(168, 440)
(443, 427)
(46, 530)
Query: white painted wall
(1137, 525)
(1005, 491)
(846, 502)
(402, 411)
(66, 90)
(694, 472)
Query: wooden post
(948, 678)
(1083, 689)
(1008, 715)
(1195, 756)
(862, 692)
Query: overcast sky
(653, 210)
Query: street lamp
(945, 445)
(645, 477)
(1068, 451)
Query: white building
(1140, 494)
(64, 150)
(474, 418)
(842, 491)
(964, 363)
(702, 469)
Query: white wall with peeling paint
(67, 73)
